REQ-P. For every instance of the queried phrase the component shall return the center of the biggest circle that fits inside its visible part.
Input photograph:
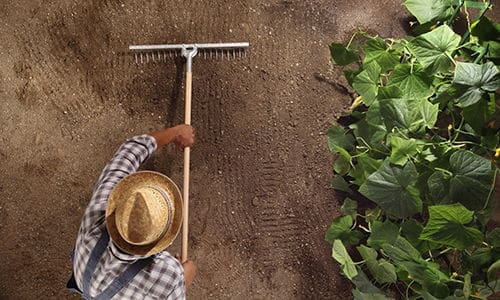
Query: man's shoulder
(168, 263)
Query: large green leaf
(446, 226)
(469, 183)
(401, 250)
(401, 113)
(366, 82)
(342, 55)
(341, 229)
(338, 138)
(429, 276)
(389, 92)
(339, 253)
(474, 80)
(376, 49)
(412, 80)
(429, 113)
(393, 189)
(402, 149)
(405, 256)
(429, 10)
(439, 187)
(472, 179)
(433, 49)
(382, 232)
(382, 270)
(364, 167)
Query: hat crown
(145, 216)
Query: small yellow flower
(454, 275)
(409, 276)
(450, 127)
(497, 152)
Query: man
(130, 220)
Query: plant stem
(444, 171)
(459, 127)
(352, 38)
(457, 281)
(466, 35)
(408, 288)
(492, 188)
(482, 54)
(455, 12)
(445, 251)
(364, 228)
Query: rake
(161, 53)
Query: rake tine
(217, 51)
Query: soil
(260, 190)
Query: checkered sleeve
(179, 290)
(126, 161)
(169, 282)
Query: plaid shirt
(162, 279)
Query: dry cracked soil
(70, 94)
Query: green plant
(420, 153)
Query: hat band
(169, 207)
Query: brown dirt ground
(260, 200)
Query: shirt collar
(122, 255)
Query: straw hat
(144, 213)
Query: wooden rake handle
(185, 187)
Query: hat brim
(123, 190)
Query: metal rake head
(161, 53)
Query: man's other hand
(189, 272)
(184, 135)
(181, 135)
